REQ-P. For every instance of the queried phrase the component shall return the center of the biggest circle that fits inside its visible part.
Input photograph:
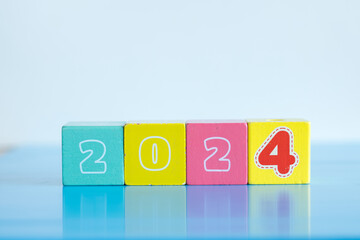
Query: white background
(66, 61)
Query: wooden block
(279, 151)
(155, 154)
(93, 154)
(216, 152)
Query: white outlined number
(87, 146)
(211, 143)
(155, 154)
(277, 153)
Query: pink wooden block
(216, 152)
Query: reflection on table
(279, 210)
(158, 211)
(217, 210)
(187, 211)
(93, 211)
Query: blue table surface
(34, 204)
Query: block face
(155, 154)
(93, 155)
(279, 152)
(216, 153)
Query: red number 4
(277, 152)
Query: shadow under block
(279, 151)
(93, 154)
(155, 154)
(216, 152)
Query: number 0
(154, 165)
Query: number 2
(277, 153)
(219, 164)
(88, 146)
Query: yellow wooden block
(278, 151)
(155, 154)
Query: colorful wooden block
(155, 154)
(93, 154)
(279, 151)
(216, 152)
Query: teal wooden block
(93, 153)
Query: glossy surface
(34, 204)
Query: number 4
(277, 152)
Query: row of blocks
(275, 151)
